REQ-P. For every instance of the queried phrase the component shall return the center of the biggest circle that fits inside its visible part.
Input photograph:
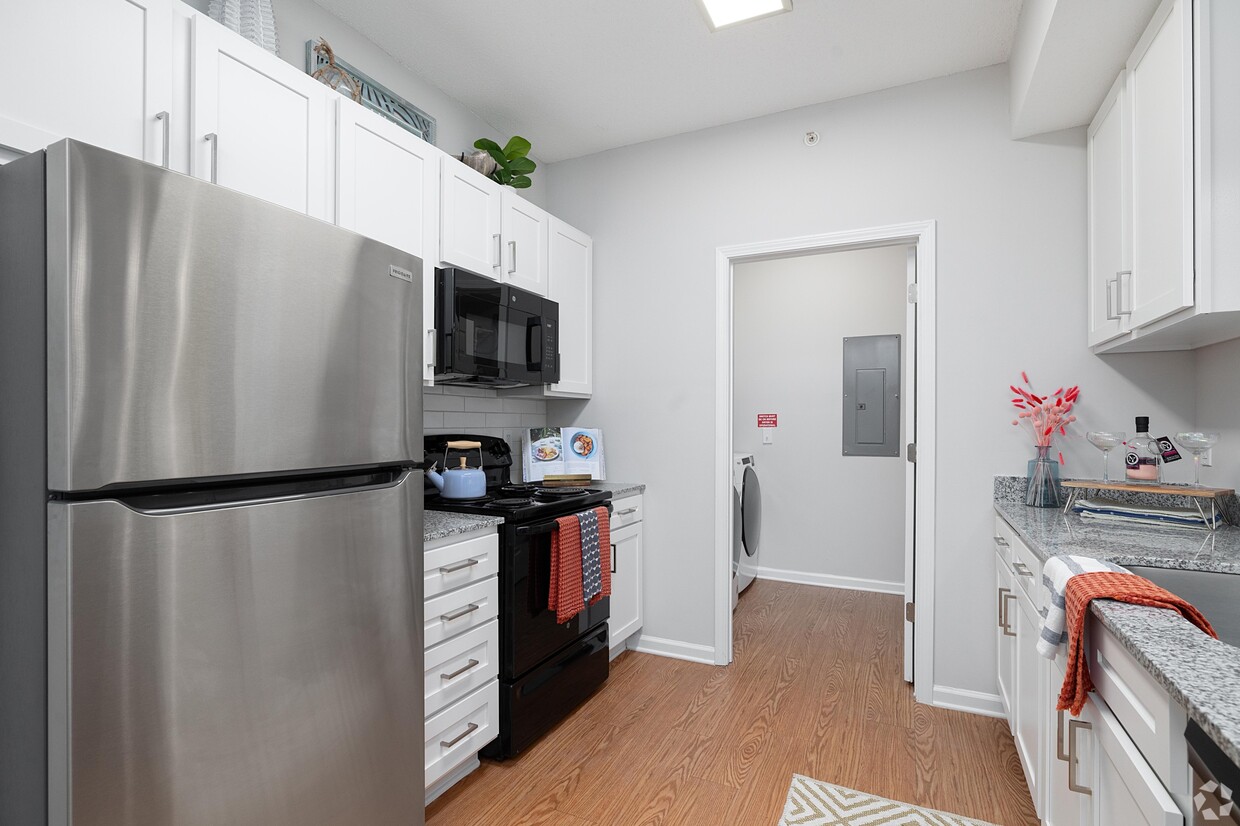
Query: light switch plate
(768, 438)
(1207, 458)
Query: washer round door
(751, 509)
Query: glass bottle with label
(1143, 460)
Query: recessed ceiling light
(721, 13)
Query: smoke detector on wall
(811, 138)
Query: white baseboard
(830, 581)
(672, 648)
(962, 699)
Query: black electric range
(546, 668)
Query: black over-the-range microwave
(491, 334)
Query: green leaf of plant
(487, 144)
(517, 147)
(498, 156)
(522, 166)
(520, 182)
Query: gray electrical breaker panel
(872, 396)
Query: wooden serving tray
(566, 480)
(1137, 487)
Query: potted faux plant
(1045, 415)
(509, 165)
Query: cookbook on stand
(558, 451)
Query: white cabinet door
(1110, 211)
(570, 283)
(469, 220)
(1160, 90)
(99, 71)
(387, 187)
(626, 583)
(525, 232)
(1030, 687)
(1064, 805)
(1006, 636)
(258, 125)
(1122, 786)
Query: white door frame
(921, 429)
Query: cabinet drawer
(1004, 538)
(1145, 710)
(1028, 571)
(460, 563)
(461, 730)
(458, 666)
(626, 511)
(461, 610)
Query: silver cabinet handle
(1073, 761)
(1112, 315)
(432, 342)
(451, 615)
(214, 140)
(512, 257)
(1022, 569)
(1122, 307)
(626, 511)
(614, 557)
(1000, 541)
(470, 729)
(1059, 752)
(460, 670)
(163, 118)
(1004, 595)
(498, 251)
(459, 566)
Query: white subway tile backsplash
(533, 420)
(503, 420)
(443, 403)
(475, 404)
(433, 390)
(514, 405)
(455, 420)
(431, 419)
(471, 391)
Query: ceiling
(581, 76)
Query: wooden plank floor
(815, 689)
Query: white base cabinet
(626, 572)
(461, 654)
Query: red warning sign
(768, 420)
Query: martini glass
(1105, 441)
(1196, 444)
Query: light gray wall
(1218, 411)
(789, 319)
(1011, 296)
(300, 20)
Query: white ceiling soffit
(1067, 55)
(581, 76)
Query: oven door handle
(544, 528)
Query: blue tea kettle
(462, 482)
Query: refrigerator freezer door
(255, 665)
(195, 332)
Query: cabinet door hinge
(910, 452)
(912, 293)
(909, 612)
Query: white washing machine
(746, 521)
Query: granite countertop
(441, 525)
(619, 490)
(1200, 673)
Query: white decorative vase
(252, 19)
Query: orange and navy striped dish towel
(1125, 587)
(565, 596)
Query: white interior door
(908, 416)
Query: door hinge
(912, 293)
(909, 612)
(910, 452)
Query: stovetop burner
(519, 490)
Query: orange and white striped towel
(1125, 587)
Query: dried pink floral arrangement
(1045, 414)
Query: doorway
(917, 403)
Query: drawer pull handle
(1073, 785)
(999, 540)
(460, 670)
(470, 729)
(1003, 619)
(627, 511)
(498, 247)
(1059, 752)
(1022, 569)
(459, 566)
(460, 612)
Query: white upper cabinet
(525, 234)
(99, 71)
(387, 188)
(1160, 93)
(259, 125)
(570, 283)
(1110, 211)
(469, 220)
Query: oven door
(532, 635)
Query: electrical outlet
(1207, 458)
(768, 438)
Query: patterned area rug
(814, 803)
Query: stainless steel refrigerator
(210, 520)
